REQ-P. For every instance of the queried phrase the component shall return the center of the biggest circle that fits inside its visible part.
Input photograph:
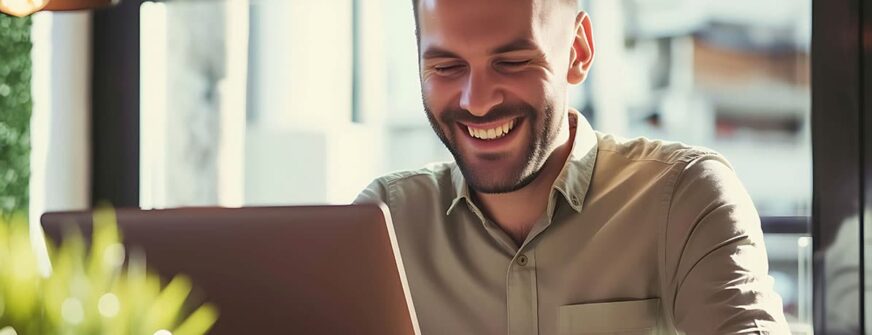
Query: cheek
(439, 94)
(533, 89)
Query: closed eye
(514, 63)
(443, 69)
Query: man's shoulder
(658, 152)
(436, 173)
(433, 181)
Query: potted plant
(91, 289)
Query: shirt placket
(522, 294)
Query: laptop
(275, 270)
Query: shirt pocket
(623, 317)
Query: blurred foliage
(90, 289)
(15, 108)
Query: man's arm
(717, 278)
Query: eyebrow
(515, 45)
(437, 52)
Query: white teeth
(491, 134)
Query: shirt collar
(461, 189)
(575, 177)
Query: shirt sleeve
(374, 193)
(717, 279)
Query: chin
(483, 181)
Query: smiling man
(544, 226)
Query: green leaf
(199, 322)
(166, 309)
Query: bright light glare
(21, 7)
(113, 257)
(153, 39)
(231, 148)
(109, 305)
(72, 311)
(41, 36)
(803, 242)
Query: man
(543, 226)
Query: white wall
(301, 145)
(60, 154)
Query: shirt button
(522, 260)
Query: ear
(581, 54)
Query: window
(732, 76)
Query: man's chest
(463, 279)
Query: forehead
(469, 25)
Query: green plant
(90, 290)
(15, 109)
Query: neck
(516, 212)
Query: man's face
(494, 79)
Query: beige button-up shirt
(639, 237)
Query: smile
(491, 133)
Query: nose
(480, 94)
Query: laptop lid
(276, 270)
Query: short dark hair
(415, 14)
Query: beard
(498, 173)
